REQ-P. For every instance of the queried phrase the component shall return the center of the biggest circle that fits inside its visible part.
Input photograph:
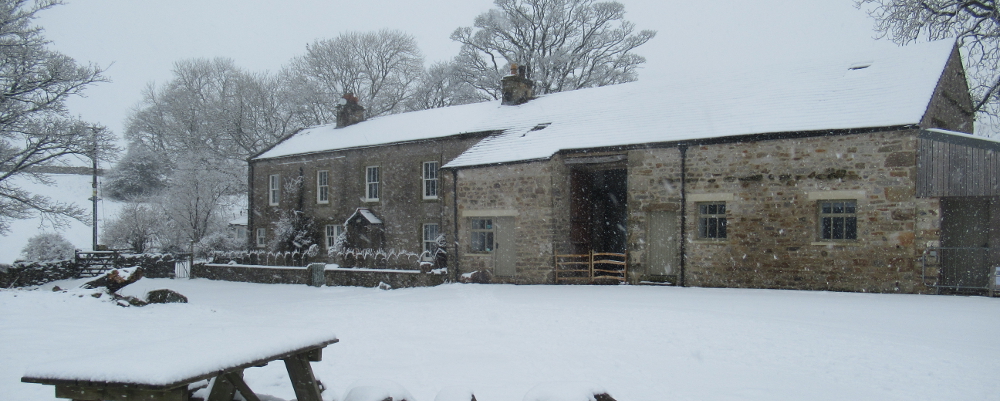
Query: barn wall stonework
(525, 189)
(773, 239)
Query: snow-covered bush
(48, 246)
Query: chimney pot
(516, 87)
(349, 112)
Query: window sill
(376, 200)
(479, 254)
(710, 241)
(834, 243)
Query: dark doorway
(598, 210)
(965, 238)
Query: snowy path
(640, 343)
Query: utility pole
(93, 158)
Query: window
(482, 235)
(430, 180)
(838, 220)
(371, 183)
(430, 237)
(323, 186)
(274, 189)
(712, 220)
(261, 240)
(333, 231)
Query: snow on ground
(67, 188)
(502, 341)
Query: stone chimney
(517, 87)
(349, 112)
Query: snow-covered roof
(367, 214)
(963, 135)
(892, 88)
(404, 127)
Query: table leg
(303, 380)
(222, 389)
(236, 379)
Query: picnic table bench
(163, 371)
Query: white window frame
(430, 180)
(274, 189)
(373, 183)
(323, 187)
(332, 231)
(430, 242)
(261, 237)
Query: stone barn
(850, 173)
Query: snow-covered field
(500, 341)
(67, 188)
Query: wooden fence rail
(590, 268)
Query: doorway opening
(598, 209)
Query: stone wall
(775, 185)
(401, 205)
(524, 191)
(301, 275)
(951, 106)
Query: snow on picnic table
(502, 341)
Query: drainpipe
(454, 217)
(683, 149)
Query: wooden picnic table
(162, 372)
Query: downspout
(251, 230)
(454, 217)
(683, 149)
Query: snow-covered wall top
(837, 92)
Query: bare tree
(569, 44)
(381, 68)
(444, 85)
(210, 105)
(135, 227)
(198, 194)
(35, 128)
(975, 24)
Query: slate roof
(892, 88)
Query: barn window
(712, 220)
(482, 235)
(838, 220)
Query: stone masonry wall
(773, 222)
(525, 188)
(401, 206)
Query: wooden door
(663, 238)
(505, 249)
(965, 239)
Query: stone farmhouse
(850, 173)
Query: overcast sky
(139, 40)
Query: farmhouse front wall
(401, 205)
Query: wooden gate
(592, 268)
